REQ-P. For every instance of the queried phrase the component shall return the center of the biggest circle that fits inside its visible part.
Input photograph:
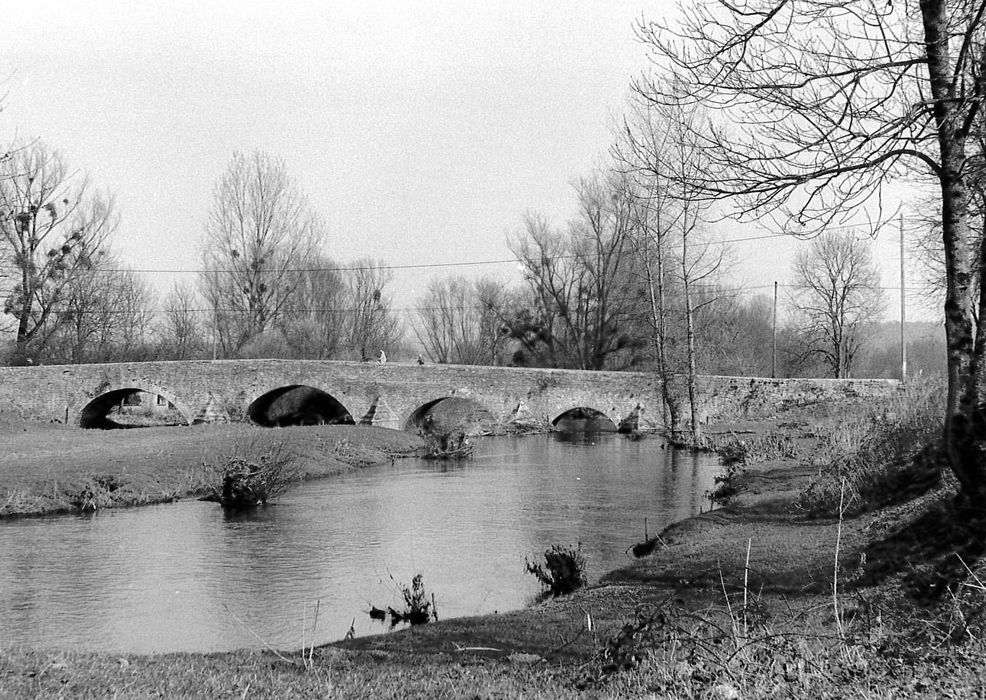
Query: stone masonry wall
(225, 389)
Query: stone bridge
(395, 395)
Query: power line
(340, 268)
(712, 290)
(424, 266)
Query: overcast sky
(420, 131)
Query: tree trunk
(963, 433)
(658, 307)
(690, 336)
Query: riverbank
(50, 468)
(756, 599)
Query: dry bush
(563, 570)
(885, 457)
(740, 647)
(357, 455)
(418, 607)
(98, 493)
(249, 481)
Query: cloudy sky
(420, 131)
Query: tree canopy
(815, 105)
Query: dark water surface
(187, 577)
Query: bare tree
(135, 301)
(106, 316)
(260, 231)
(84, 323)
(182, 333)
(315, 318)
(734, 332)
(492, 299)
(652, 247)
(54, 229)
(373, 327)
(640, 151)
(836, 294)
(659, 149)
(460, 321)
(820, 103)
(698, 264)
(449, 323)
(585, 314)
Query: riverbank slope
(755, 599)
(51, 468)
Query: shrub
(249, 482)
(97, 493)
(563, 570)
(419, 608)
(726, 485)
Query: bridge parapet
(389, 394)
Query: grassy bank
(51, 469)
(776, 594)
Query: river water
(188, 577)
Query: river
(188, 577)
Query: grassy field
(784, 591)
(48, 468)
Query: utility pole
(903, 315)
(773, 350)
(215, 330)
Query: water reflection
(189, 576)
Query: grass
(88, 494)
(884, 456)
(737, 453)
(862, 644)
(752, 449)
(739, 643)
(332, 674)
(55, 469)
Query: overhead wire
(421, 266)
(720, 290)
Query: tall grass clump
(883, 456)
(562, 572)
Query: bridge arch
(578, 417)
(452, 411)
(94, 413)
(297, 404)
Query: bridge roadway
(391, 394)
